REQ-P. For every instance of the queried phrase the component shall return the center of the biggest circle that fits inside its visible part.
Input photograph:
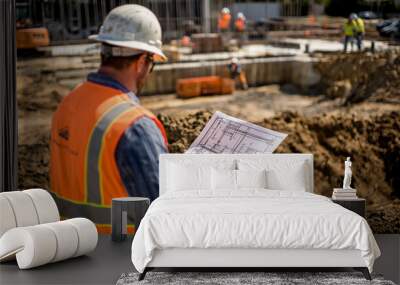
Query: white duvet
(250, 219)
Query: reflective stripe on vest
(93, 178)
(100, 215)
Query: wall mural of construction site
(326, 73)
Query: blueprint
(226, 134)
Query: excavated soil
(373, 144)
(359, 77)
(38, 97)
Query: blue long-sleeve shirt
(138, 149)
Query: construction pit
(330, 104)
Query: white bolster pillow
(45, 205)
(26, 208)
(87, 235)
(7, 218)
(24, 211)
(40, 244)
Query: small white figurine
(347, 174)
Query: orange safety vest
(240, 25)
(86, 129)
(224, 21)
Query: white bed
(210, 226)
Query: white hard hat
(235, 60)
(225, 10)
(353, 16)
(240, 15)
(132, 27)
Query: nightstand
(127, 212)
(357, 205)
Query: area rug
(243, 278)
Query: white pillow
(251, 178)
(223, 179)
(182, 177)
(281, 174)
(291, 179)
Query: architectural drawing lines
(225, 134)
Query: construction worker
(349, 32)
(359, 30)
(240, 23)
(224, 20)
(235, 71)
(104, 144)
(240, 27)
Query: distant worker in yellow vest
(104, 144)
(224, 20)
(359, 28)
(240, 27)
(349, 32)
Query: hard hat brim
(159, 56)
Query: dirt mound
(39, 93)
(385, 218)
(33, 162)
(373, 144)
(358, 77)
(182, 131)
(38, 96)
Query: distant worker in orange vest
(104, 144)
(240, 23)
(240, 27)
(224, 20)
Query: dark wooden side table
(357, 205)
(125, 211)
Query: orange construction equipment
(207, 85)
(188, 88)
(83, 170)
(29, 38)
